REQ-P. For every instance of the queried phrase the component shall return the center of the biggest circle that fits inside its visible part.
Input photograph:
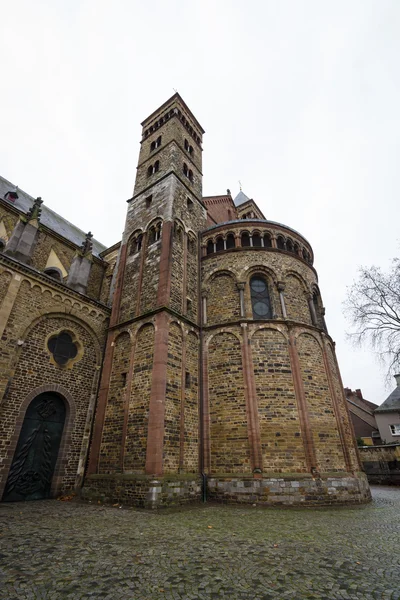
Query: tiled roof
(48, 217)
(392, 402)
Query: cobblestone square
(51, 549)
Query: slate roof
(392, 402)
(241, 198)
(48, 217)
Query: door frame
(70, 412)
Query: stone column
(204, 305)
(273, 241)
(314, 318)
(240, 286)
(281, 289)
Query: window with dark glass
(210, 247)
(245, 239)
(260, 300)
(256, 240)
(267, 241)
(230, 241)
(62, 348)
(220, 244)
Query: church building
(190, 361)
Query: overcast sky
(300, 101)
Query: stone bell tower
(147, 420)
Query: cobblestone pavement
(51, 549)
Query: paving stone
(51, 550)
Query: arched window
(158, 142)
(256, 240)
(150, 171)
(178, 231)
(156, 166)
(185, 170)
(152, 146)
(230, 241)
(296, 248)
(54, 273)
(267, 241)
(260, 300)
(136, 244)
(186, 145)
(289, 245)
(220, 244)
(190, 175)
(210, 247)
(280, 242)
(245, 239)
(191, 244)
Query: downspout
(201, 399)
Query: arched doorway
(35, 457)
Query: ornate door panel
(36, 454)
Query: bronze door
(36, 454)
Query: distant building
(388, 416)
(362, 416)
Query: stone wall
(381, 464)
(31, 311)
(142, 491)
(281, 439)
(290, 491)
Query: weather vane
(240, 185)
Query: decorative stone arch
(272, 327)
(300, 278)
(46, 314)
(136, 332)
(220, 332)
(152, 222)
(65, 438)
(302, 331)
(217, 273)
(247, 273)
(179, 324)
(133, 240)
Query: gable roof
(392, 402)
(48, 217)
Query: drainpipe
(201, 408)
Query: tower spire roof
(241, 198)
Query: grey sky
(299, 99)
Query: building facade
(218, 376)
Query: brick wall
(173, 396)
(136, 440)
(111, 445)
(230, 451)
(281, 441)
(223, 300)
(323, 423)
(191, 407)
(33, 370)
(296, 300)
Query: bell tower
(147, 420)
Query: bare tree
(373, 307)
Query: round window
(62, 348)
(258, 285)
